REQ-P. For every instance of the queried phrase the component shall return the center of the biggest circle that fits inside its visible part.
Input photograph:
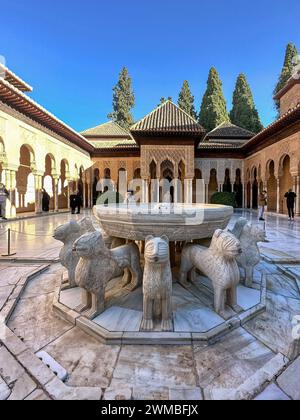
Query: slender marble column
(188, 191)
(145, 191)
(55, 193)
(38, 181)
(297, 190)
(278, 196)
(244, 195)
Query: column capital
(38, 173)
(13, 168)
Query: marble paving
(156, 371)
(230, 361)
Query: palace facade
(37, 151)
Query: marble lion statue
(98, 265)
(67, 234)
(249, 236)
(218, 263)
(157, 284)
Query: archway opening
(238, 188)
(97, 185)
(227, 181)
(213, 184)
(285, 181)
(197, 196)
(271, 187)
(63, 187)
(167, 173)
(255, 188)
(48, 181)
(25, 196)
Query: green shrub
(110, 197)
(224, 198)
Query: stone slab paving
(272, 393)
(232, 360)
(88, 362)
(274, 327)
(33, 320)
(289, 381)
(156, 366)
(4, 390)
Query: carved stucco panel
(174, 154)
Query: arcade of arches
(277, 178)
(245, 178)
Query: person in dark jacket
(45, 200)
(75, 202)
(290, 201)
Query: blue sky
(72, 51)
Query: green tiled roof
(229, 131)
(109, 129)
(114, 144)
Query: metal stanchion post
(9, 253)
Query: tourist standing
(130, 198)
(45, 200)
(290, 202)
(262, 205)
(75, 202)
(79, 202)
(3, 197)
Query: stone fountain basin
(180, 222)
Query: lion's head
(157, 249)
(255, 232)
(90, 245)
(63, 232)
(73, 229)
(226, 244)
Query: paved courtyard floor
(259, 360)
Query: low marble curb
(254, 385)
(277, 261)
(288, 273)
(43, 376)
(16, 293)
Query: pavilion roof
(109, 129)
(227, 130)
(168, 118)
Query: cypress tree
(163, 100)
(186, 100)
(123, 100)
(244, 114)
(290, 62)
(213, 108)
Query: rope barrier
(10, 231)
